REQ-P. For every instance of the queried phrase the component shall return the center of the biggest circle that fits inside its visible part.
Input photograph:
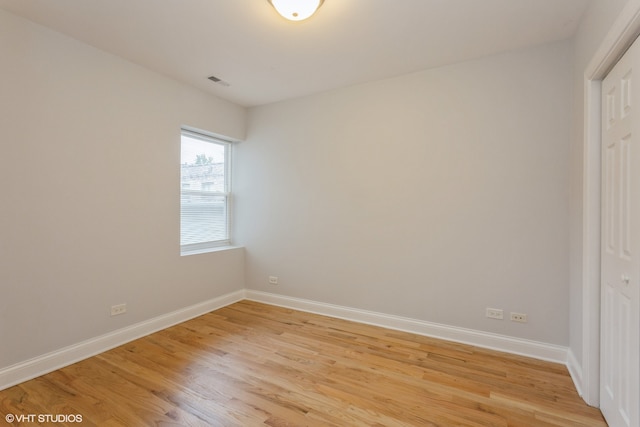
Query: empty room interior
(387, 213)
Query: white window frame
(208, 246)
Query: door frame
(621, 35)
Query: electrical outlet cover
(495, 313)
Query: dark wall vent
(218, 80)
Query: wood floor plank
(252, 364)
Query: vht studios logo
(43, 418)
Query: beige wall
(431, 196)
(89, 166)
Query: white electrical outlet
(118, 309)
(495, 313)
(519, 317)
(273, 280)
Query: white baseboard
(575, 370)
(538, 350)
(49, 362)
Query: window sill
(207, 250)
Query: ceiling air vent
(219, 81)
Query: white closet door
(620, 299)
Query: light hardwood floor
(251, 364)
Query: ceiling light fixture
(296, 10)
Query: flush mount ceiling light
(296, 10)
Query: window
(204, 194)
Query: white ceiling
(266, 58)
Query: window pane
(204, 192)
(203, 164)
(204, 218)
